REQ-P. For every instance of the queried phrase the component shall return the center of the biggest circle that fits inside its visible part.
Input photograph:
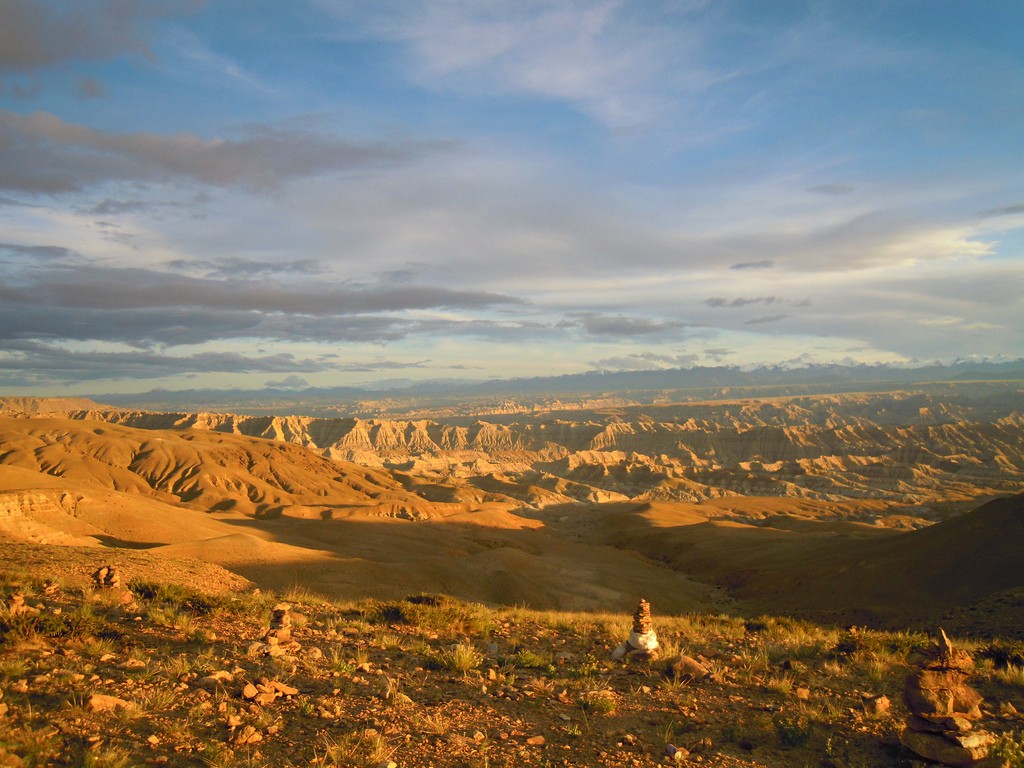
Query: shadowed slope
(842, 571)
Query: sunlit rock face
(908, 447)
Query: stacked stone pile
(642, 643)
(107, 577)
(16, 605)
(943, 708)
(278, 640)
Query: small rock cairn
(17, 606)
(278, 639)
(642, 644)
(107, 577)
(943, 708)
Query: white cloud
(609, 58)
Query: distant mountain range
(710, 382)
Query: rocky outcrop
(905, 447)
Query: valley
(845, 508)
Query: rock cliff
(911, 448)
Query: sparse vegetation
(471, 685)
(1010, 747)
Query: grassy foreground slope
(168, 674)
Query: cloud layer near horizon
(335, 189)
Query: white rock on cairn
(642, 644)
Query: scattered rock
(281, 688)
(248, 735)
(674, 754)
(946, 751)
(215, 680)
(875, 705)
(16, 605)
(687, 669)
(536, 741)
(100, 702)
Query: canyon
(847, 508)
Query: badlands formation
(851, 508)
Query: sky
(250, 193)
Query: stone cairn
(16, 605)
(278, 639)
(943, 708)
(642, 644)
(107, 577)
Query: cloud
(90, 287)
(719, 353)
(378, 365)
(765, 319)
(763, 264)
(36, 363)
(291, 381)
(41, 153)
(37, 252)
(832, 190)
(1006, 210)
(742, 301)
(76, 300)
(597, 324)
(37, 34)
(608, 58)
(90, 88)
(233, 266)
(644, 361)
(108, 206)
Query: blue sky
(233, 193)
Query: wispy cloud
(80, 301)
(832, 190)
(1006, 210)
(765, 319)
(645, 361)
(32, 363)
(233, 266)
(762, 264)
(741, 301)
(598, 324)
(37, 34)
(606, 57)
(41, 153)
